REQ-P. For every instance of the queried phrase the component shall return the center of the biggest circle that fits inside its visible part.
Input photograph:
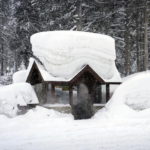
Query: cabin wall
(41, 92)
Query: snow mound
(8, 109)
(16, 94)
(132, 98)
(41, 113)
(64, 53)
(124, 79)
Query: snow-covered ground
(118, 126)
(1, 85)
(42, 129)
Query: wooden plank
(78, 93)
(52, 93)
(114, 83)
(71, 95)
(92, 97)
(107, 92)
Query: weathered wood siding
(41, 92)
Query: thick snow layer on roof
(19, 76)
(132, 98)
(46, 75)
(64, 53)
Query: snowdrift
(43, 113)
(16, 94)
(64, 53)
(131, 99)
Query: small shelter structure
(71, 59)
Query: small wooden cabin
(86, 76)
(81, 64)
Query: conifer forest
(128, 22)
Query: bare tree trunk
(2, 47)
(141, 44)
(146, 37)
(2, 58)
(127, 63)
(137, 43)
(15, 61)
(2, 66)
(79, 15)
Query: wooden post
(107, 92)
(70, 95)
(78, 93)
(91, 94)
(52, 93)
(91, 91)
(100, 94)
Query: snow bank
(124, 79)
(42, 129)
(43, 113)
(16, 94)
(64, 53)
(131, 99)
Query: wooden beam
(107, 92)
(92, 97)
(78, 93)
(100, 94)
(114, 83)
(70, 95)
(52, 93)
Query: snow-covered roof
(19, 76)
(19, 93)
(65, 53)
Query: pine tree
(27, 24)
